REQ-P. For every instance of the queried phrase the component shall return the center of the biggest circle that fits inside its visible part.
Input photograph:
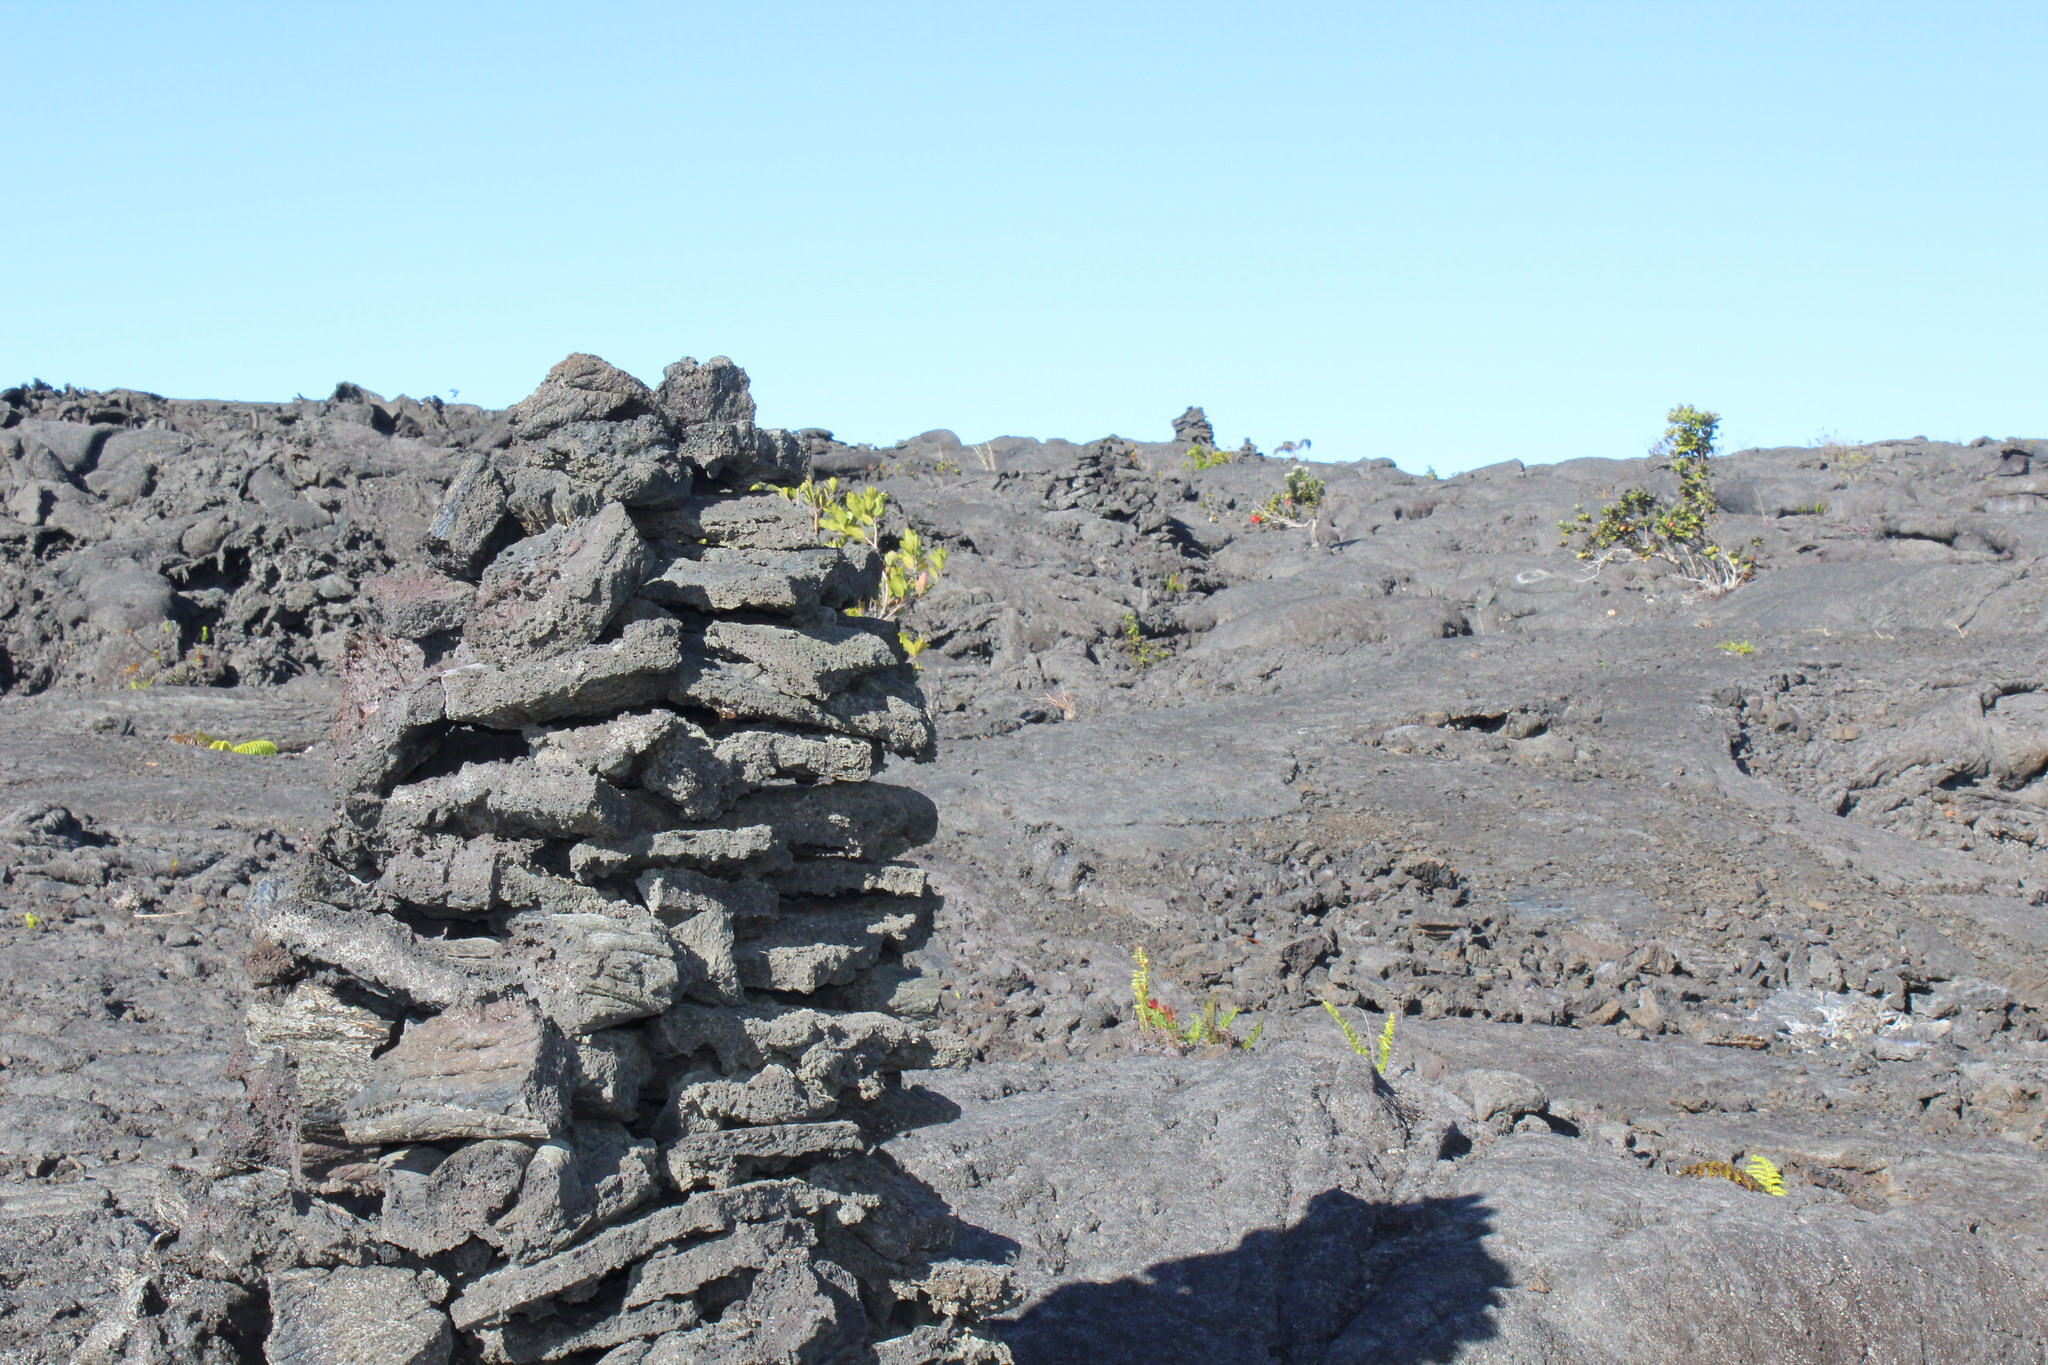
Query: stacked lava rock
(572, 985)
(1108, 480)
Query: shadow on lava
(1352, 1283)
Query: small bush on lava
(1159, 1029)
(1292, 504)
(909, 568)
(1639, 525)
(1144, 653)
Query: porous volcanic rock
(1656, 879)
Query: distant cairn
(1192, 427)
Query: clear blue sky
(1442, 233)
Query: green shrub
(1144, 653)
(855, 519)
(1202, 457)
(1301, 496)
(1639, 525)
(909, 568)
(810, 494)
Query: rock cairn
(583, 998)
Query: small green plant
(855, 519)
(948, 465)
(810, 494)
(908, 571)
(1430, 473)
(30, 920)
(253, 748)
(1289, 507)
(909, 568)
(1203, 457)
(1765, 1172)
(1737, 647)
(1639, 525)
(1175, 584)
(913, 645)
(1157, 1022)
(1385, 1052)
(1144, 653)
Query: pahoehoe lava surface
(629, 989)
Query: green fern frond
(1358, 1044)
(1253, 1041)
(1381, 1056)
(1766, 1173)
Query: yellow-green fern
(1766, 1173)
(1385, 1050)
(1722, 1170)
(1350, 1034)
(1151, 1015)
(254, 748)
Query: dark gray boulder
(715, 391)
(581, 388)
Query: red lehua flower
(1256, 518)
